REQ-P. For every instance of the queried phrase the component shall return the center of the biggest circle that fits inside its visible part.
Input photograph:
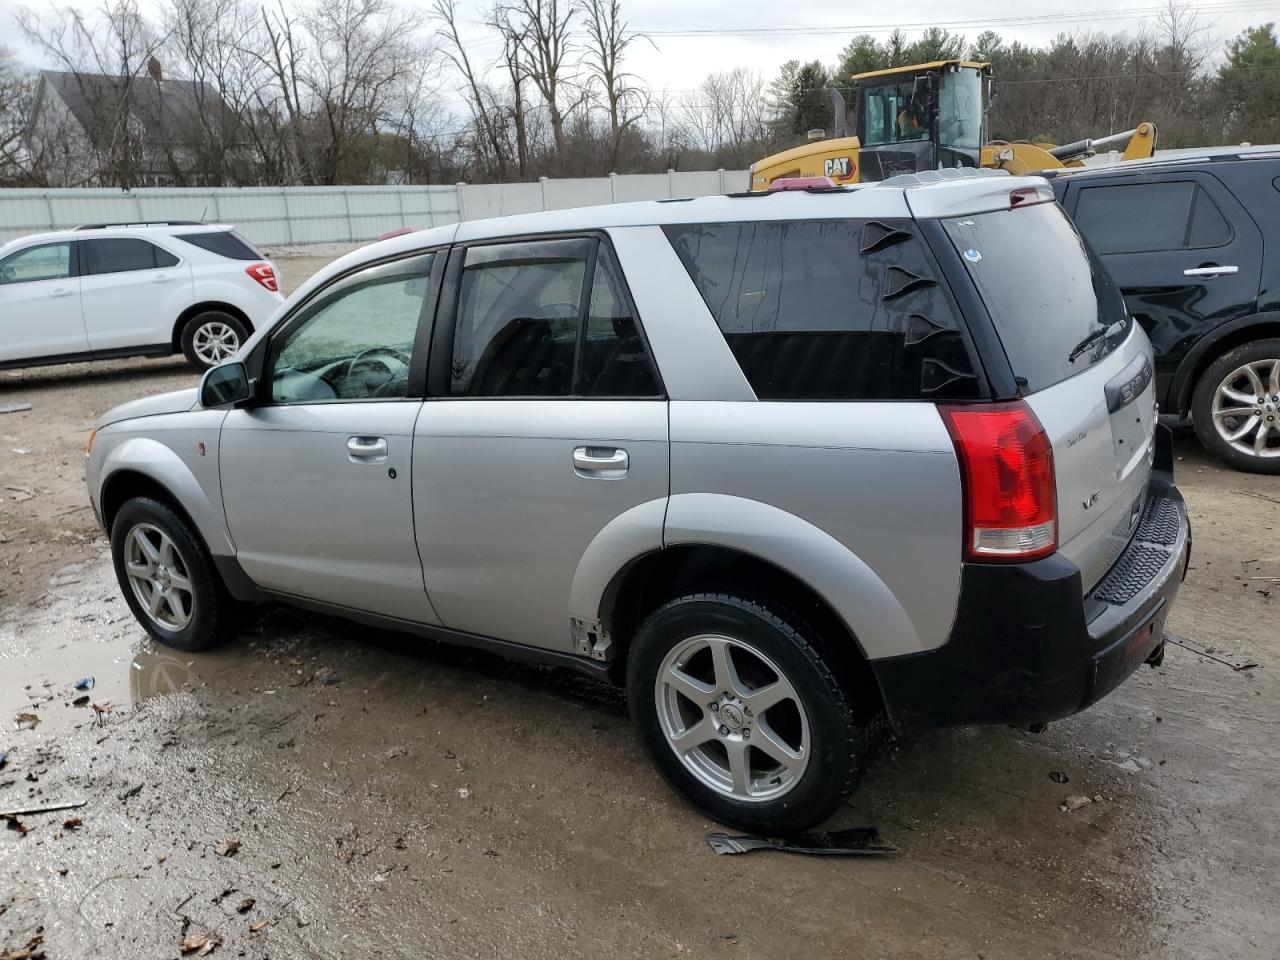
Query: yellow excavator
(927, 116)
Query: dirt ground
(394, 798)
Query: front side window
(1150, 217)
(356, 344)
(830, 309)
(895, 112)
(51, 261)
(546, 319)
(124, 255)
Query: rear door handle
(601, 463)
(367, 449)
(1210, 271)
(61, 292)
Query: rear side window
(830, 309)
(225, 243)
(1055, 308)
(123, 255)
(1150, 217)
(547, 319)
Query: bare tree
(479, 98)
(513, 59)
(728, 115)
(545, 39)
(608, 38)
(17, 90)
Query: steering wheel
(373, 381)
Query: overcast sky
(693, 37)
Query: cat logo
(839, 168)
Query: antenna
(204, 212)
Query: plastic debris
(85, 683)
(854, 842)
(1074, 803)
(4, 759)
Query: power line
(1075, 16)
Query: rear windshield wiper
(1092, 340)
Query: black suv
(1194, 244)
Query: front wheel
(1236, 407)
(742, 713)
(167, 577)
(211, 338)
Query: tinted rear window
(1147, 217)
(124, 255)
(224, 243)
(1048, 297)
(830, 309)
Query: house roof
(165, 110)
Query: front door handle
(367, 449)
(61, 292)
(1210, 270)
(601, 463)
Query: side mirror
(227, 385)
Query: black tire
(211, 610)
(839, 742)
(204, 322)
(1202, 408)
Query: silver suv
(783, 464)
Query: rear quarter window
(1054, 306)
(830, 309)
(225, 243)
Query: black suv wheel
(211, 338)
(742, 713)
(1236, 407)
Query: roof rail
(139, 223)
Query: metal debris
(854, 842)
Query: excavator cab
(922, 117)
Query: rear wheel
(743, 714)
(167, 577)
(1236, 407)
(211, 338)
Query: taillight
(1027, 196)
(263, 273)
(1006, 469)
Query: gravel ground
(394, 798)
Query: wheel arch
(141, 466)
(1228, 336)
(206, 305)
(716, 542)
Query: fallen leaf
(260, 925)
(200, 944)
(14, 823)
(72, 823)
(227, 848)
(27, 721)
(464, 792)
(31, 950)
(246, 905)
(161, 857)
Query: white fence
(296, 216)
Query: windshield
(960, 109)
(1056, 309)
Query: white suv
(122, 290)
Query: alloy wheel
(1246, 408)
(215, 342)
(159, 576)
(732, 718)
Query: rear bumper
(1027, 648)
